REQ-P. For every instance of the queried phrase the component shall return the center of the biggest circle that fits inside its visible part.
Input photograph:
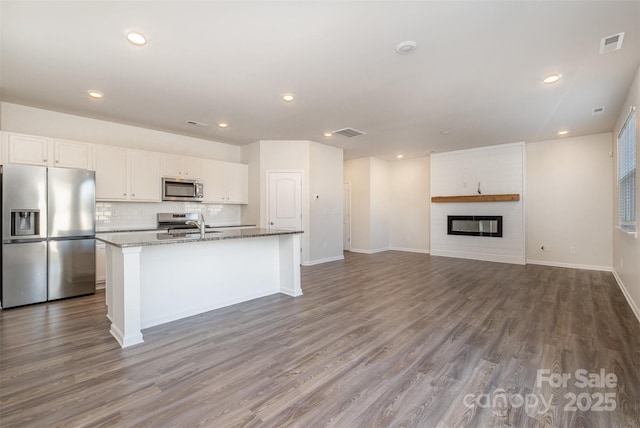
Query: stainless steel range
(179, 222)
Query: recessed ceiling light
(223, 125)
(399, 156)
(406, 47)
(563, 132)
(551, 78)
(136, 38)
(328, 134)
(96, 95)
(287, 98)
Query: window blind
(627, 171)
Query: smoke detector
(406, 47)
(611, 43)
(348, 132)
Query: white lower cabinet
(101, 249)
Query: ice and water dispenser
(25, 223)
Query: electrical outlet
(572, 250)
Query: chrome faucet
(200, 224)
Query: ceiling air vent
(597, 110)
(611, 43)
(348, 132)
(194, 123)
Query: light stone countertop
(147, 239)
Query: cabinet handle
(133, 194)
(124, 194)
(57, 161)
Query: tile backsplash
(123, 215)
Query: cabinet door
(28, 150)
(70, 154)
(236, 182)
(101, 271)
(111, 173)
(145, 176)
(192, 168)
(172, 166)
(213, 181)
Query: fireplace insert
(475, 225)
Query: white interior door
(285, 200)
(346, 221)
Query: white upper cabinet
(213, 181)
(181, 167)
(71, 154)
(236, 182)
(126, 174)
(145, 176)
(225, 182)
(111, 173)
(27, 149)
(34, 150)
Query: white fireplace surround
(499, 170)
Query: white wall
(499, 169)
(326, 212)
(569, 195)
(379, 210)
(321, 168)
(409, 204)
(626, 248)
(46, 123)
(357, 172)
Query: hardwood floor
(390, 339)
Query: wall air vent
(194, 123)
(597, 110)
(348, 132)
(611, 43)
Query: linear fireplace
(475, 225)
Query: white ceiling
(476, 72)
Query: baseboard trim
(409, 250)
(320, 261)
(377, 250)
(498, 258)
(569, 265)
(634, 307)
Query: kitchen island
(152, 279)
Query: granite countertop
(146, 239)
(164, 229)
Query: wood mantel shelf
(507, 197)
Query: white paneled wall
(498, 170)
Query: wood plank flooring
(384, 340)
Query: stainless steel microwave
(179, 189)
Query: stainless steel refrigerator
(48, 228)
